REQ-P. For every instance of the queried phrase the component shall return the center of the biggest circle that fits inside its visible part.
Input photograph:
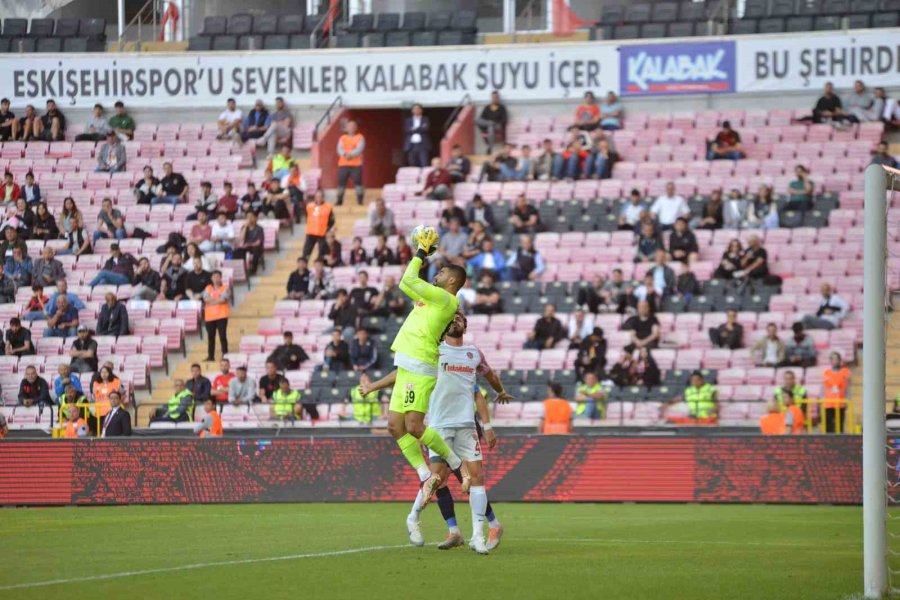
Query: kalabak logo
(690, 68)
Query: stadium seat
(214, 26)
(464, 20)
(92, 28)
(771, 25)
(349, 40)
(799, 23)
(4, 45)
(250, 42)
(66, 28)
(638, 13)
(744, 26)
(858, 21)
(13, 28)
(782, 8)
(376, 39)
(300, 41)
(626, 32)
(265, 24)
(665, 12)
(424, 38)
(41, 28)
(290, 24)
(809, 7)
(827, 23)
(680, 29)
(239, 24)
(200, 44)
(885, 19)
(48, 45)
(360, 23)
(413, 22)
(653, 30)
(77, 44)
(276, 42)
(397, 39)
(385, 22)
(438, 21)
(224, 42)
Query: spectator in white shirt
(230, 121)
(832, 310)
(221, 237)
(669, 207)
(630, 213)
(580, 327)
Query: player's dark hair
(555, 388)
(458, 273)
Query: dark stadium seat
(265, 24)
(349, 40)
(312, 23)
(22, 44)
(782, 8)
(413, 21)
(78, 44)
(692, 11)
(665, 12)
(836, 7)
(601, 32)
(49, 45)
(612, 14)
(300, 41)
(225, 42)
(464, 20)
(250, 42)
(755, 9)
(743, 26)
(450, 38)
(424, 38)
(395, 39)
(653, 30)
(4, 44)
(799, 24)
(860, 21)
(827, 23)
(626, 32)
(92, 28)
(277, 41)
(42, 28)
(15, 28)
(438, 21)
(771, 25)
(864, 6)
(885, 19)
(374, 39)
(239, 24)
(810, 8)
(290, 24)
(214, 26)
(385, 22)
(361, 23)
(637, 13)
(200, 44)
(889, 5)
(66, 28)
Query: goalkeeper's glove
(428, 240)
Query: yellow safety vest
(284, 403)
(365, 408)
(799, 394)
(174, 411)
(589, 391)
(701, 401)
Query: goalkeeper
(416, 358)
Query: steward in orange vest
(215, 312)
(350, 149)
(319, 219)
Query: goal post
(875, 563)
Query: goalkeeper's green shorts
(411, 392)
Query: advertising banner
(384, 77)
(807, 61)
(683, 68)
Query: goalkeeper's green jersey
(416, 345)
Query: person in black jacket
(683, 243)
(591, 355)
(729, 334)
(34, 389)
(337, 353)
(492, 121)
(644, 369)
(198, 385)
(113, 317)
(547, 331)
(298, 282)
(147, 282)
(117, 422)
(344, 314)
(288, 356)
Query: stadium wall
(727, 469)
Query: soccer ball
(414, 237)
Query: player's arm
(385, 382)
(503, 397)
(419, 289)
(485, 415)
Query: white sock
(424, 472)
(454, 529)
(454, 461)
(416, 511)
(478, 502)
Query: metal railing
(527, 13)
(151, 9)
(466, 100)
(326, 117)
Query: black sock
(445, 503)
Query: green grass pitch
(556, 551)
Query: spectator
(229, 122)
(702, 400)
(381, 220)
(644, 328)
(121, 122)
(683, 243)
(645, 371)
(250, 244)
(587, 116)
(298, 281)
(487, 297)
(363, 351)
(7, 289)
(288, 356)
(390, 302)
(731, 261)
(242, 389)
(525, 218)
(216, 310)
(363, 295)
(18, 339)
(173, 188)
(630, 213)
(417, 138)
(62, 290)
(863, 106)
(28, 124)
(438, 183)
(668, 207)
(521, 170)
(117, 422)
(481, 213)
(275, 202)
(557, 412)
(525, 263)
(800, 190)
(10, 190)
(281, 163)
(296, 188)
(726, 144)
(648, 244)
(83, 352)
(647, 291)
(111, 157)
(103, 385)
(51, 127)
(881, 156)
(794, 417)
(337, 353)
(198, 385)
(147, 282)
(173, 276)
(549, 165)
(269, 382)
(575, 155)
(832, 310)
(591, 356)
(662, 273)
(113, 318)
(20, 216)
(280, 127)
(450, 248)
(364, 408)
(600, 163)
(33, 389)
(382, 255)
(459, 165)
(76, 426)
(730, 334)
(769, 351)
(251, 202)
(321, 282)
(96, 127)
(206, 202)
(255, 123)
(350, 148)
(712, 216)
(579, 327)
(30, 191)
(228, 201)
(591, 297)
(491, 169)
(466, 297)
(789, 386)
(828, 107)
(211, 424)
(63, 321)
(451, 211)
(754, 261)
(45, 227)
(476, 237)
(109, 223)
(358, 254)
(611, 113)
(319, 220)
(591, 398)
(686, 284)
(147, 189)
(344, 314)
(18, 268)
(34, 309)
(836, 380)
(9, 125)
(178, 407)
(117, 270)
(222, 235)
(490, 260)
(201, 232)
(548, 330)
(801, 348)
(332, 251)
(492, 121)
(286, 402)
(404, 252)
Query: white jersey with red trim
(451, 403)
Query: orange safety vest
(772, 424)
(557, 416)
(101, 395)
(349, 143)
(72, 428)
(215, 312)
(799, 425)
(836, 383)
(317, 218)
(216, 429)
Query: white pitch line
(190, 567)
(693, 542)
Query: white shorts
(462, 440)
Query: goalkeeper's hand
(428, 240)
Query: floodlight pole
(874, 433)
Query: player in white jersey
(450, 412)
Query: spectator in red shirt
(587, 117)
(439, 183)
(221, 382)
(726, 145)
(574, 155)
(228, 201)
(202, 230)
(10, 190)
